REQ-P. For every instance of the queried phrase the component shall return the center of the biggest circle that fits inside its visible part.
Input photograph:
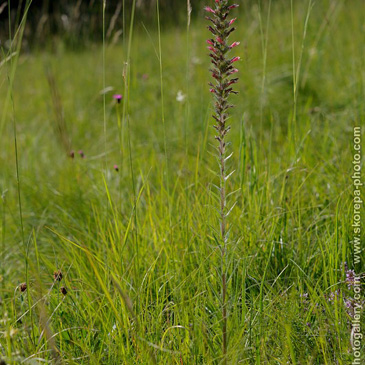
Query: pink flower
(219, 39)
(233, 6)
(233, 71)
(210, 42)
(232, 21)
(116, 168)
(212, 91)
(234, 44)
(118, 97)
(81, 153)
(212, 49)
(209, 9)
(234, 59)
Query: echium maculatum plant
(223, 71)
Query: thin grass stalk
(104, 85)
(187, 195)
(13, 66)
(163, 111)
(222, 71)
(264, 43)
(130, 154)
(3, 230)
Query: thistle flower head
(118, 97)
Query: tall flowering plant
(223, 71)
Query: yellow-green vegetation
(137, 247)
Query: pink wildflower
(234, 44)
(209, 9)
(233, 71)
(118, 97)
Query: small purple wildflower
(118, 97)
(81, 153)
(116, 168)
(350, 306)
(350, 278)
(333, 295)
(72, 154)
(348, 303)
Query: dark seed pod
(57, 275)
(23, 287)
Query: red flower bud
(234, 59)
(234, 44)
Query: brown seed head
(57, 275)
(63, 290)
(22, 288)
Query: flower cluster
(223, 66)
(350, 276)
(340, 294)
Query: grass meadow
(130, 220)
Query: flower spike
(221, 88)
